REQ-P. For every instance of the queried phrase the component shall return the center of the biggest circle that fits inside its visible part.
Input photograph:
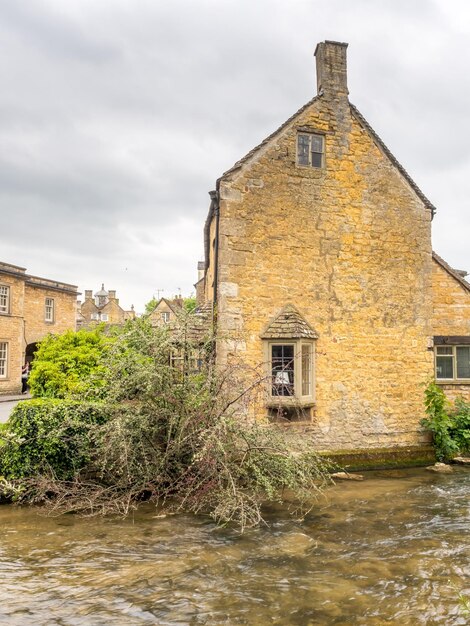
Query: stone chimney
(112, 294)
(88, 294)
(332, 79)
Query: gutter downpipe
(215, 198)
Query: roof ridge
(253, 151)
(362, 120)
(450, 270)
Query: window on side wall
(104, 317)
(165, 317)
(3, 359)
(310, 150)
(452, 363)
(291, 371)
(49, 310)
(4, 299)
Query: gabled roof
(450, 270)
(172, 304)
(365, 124)
(289, 324)
(252, 152)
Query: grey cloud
(117, 118)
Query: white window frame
(453, 357)
(49, 310)
(5, 297)
(310, 136)
(4, 352)
(165, 316)
(95, 317)
(298, 398)
(104, 317)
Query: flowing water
(393, 549)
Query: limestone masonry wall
(451, 317)
(25, 321)
(349, 245)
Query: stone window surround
(453, 356)
(6, 289)
(4, 349)
(297, 399)
(49, 310)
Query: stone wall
(12, 332)
(349, 245)
(36, 326)
(25, 321)
(451, 315)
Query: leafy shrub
(64, 362)
(168, 433)
(460, 425)
(450, 425)
(48, 436)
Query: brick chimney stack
(332, 79)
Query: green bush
(48, 436)
(449, 424)
(460, 425)
(163, 430)
(63, 363)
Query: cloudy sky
(117, 116)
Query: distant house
(318, 264)
(166, 311)
(102, 307)
(30, 308)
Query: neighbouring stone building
(30, 308)
(318, 260)
(102, 307)
(451, 328)
(165, 311)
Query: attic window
(310, 149)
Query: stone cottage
(318, 258)
(30, 308)
(166, 311)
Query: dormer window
(310, 149)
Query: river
(393, 549)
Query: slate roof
(289, 324)
(249, 154)
(365, 124)
(450, 270)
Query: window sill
(452, 381)
(274, 403)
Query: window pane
(282, 357)
(444, 367)
(444, 349)
(303, 149)
(317, 159)
(4, 294)
(3, 359)
(306, 370)
(317, 143)
(463, 362)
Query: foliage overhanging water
(394, 549)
